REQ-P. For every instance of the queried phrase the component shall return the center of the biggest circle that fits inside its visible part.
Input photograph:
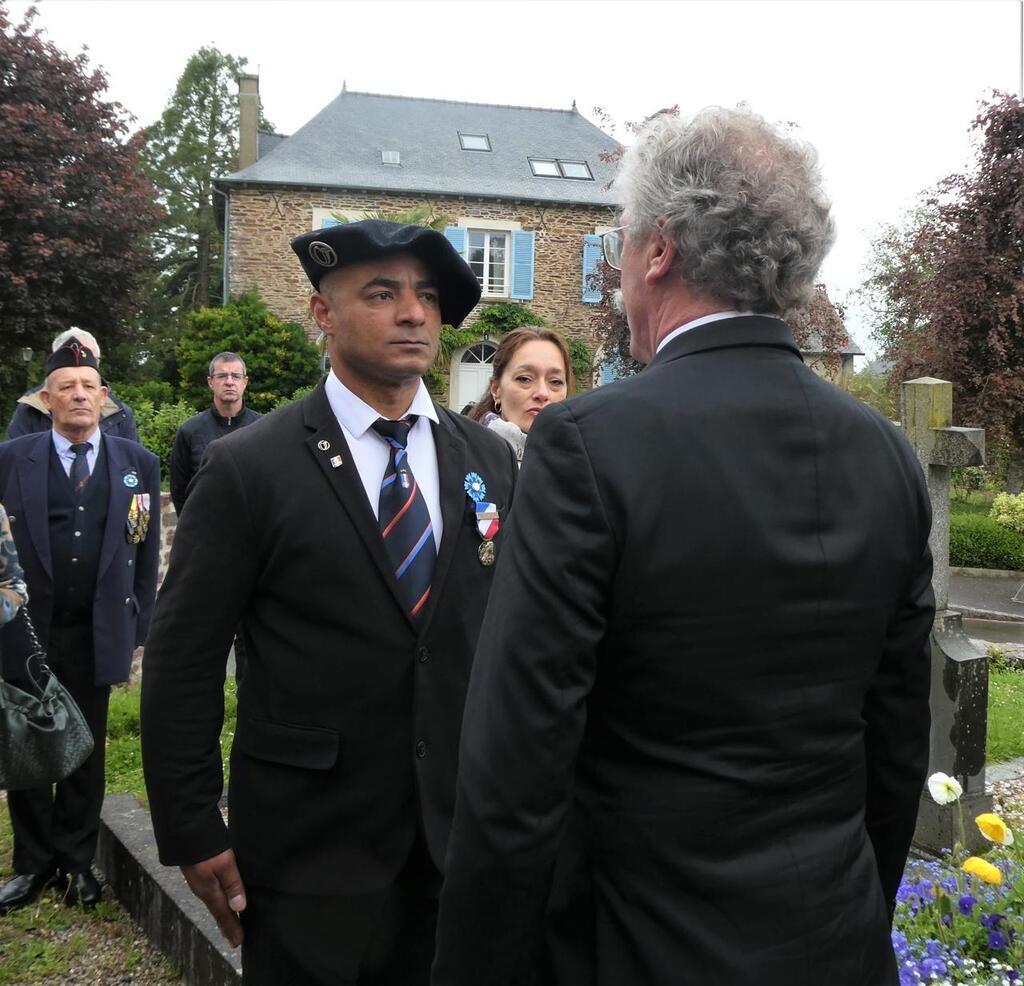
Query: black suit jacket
(348, 715)
(707, 654)
(127, 573)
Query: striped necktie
(405, 520)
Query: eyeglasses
(612, 243)
(227, 376)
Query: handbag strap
(36, 653)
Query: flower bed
(960, 920)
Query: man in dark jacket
(227, 380)
(700, 696)
(31, 414)
(352, 534)
(84, 509)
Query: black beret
(324, 250)
(73, 353)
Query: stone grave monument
(959, 690)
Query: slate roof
(815, 344)
(267, 141)
(340, 148)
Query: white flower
(944, 789)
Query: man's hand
(218, 884)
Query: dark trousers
(376, 939)
(57, 825)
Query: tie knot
(395, 432)
(80, 448)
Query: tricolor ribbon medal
(488, 524)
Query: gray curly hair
(744, 204)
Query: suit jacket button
(127, 601)
(421, 749)
(422, 654)
(130, 562)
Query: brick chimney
(248, 119)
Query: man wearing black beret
(352, 534)
(84, 507)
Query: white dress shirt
(370, 452)
(67, 457)
(703, 320)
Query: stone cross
(959, 693)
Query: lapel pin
(323, 445)
(336, 461)
(130, 480)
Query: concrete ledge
(158, 898)
(974, 613)
(986, 573)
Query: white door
(473, 374)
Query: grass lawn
(49, 944)
(1005, 715)
(975, 502)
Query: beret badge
(323, 254)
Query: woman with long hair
(532, 369)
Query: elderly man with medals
(84, 511)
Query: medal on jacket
(137, 525)
(488, 524)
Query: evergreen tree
(194, 141)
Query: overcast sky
(885, 90)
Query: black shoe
(24, 889)
(83, 888)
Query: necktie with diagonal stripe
(405, 520)
(80, 467)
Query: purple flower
(933, 966)
(991, 921)
(996, 941)
(966, 904)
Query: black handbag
(43, 735)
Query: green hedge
(979, 542)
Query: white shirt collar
(703, 320)
(356, 416)
(63, 445)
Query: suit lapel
(451, 472)
(118, 501)
(33, 471)
(327, 443)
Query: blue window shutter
(456, 236)
(592, 251)
(522, 265)
(330, 221)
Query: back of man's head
(86, 338)
(743, 202)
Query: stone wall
(263, 222)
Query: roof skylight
(474, 142)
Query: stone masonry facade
(263, 221)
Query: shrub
(504, 317)
(1008, 510)
(158, 426)
(979, 542)
(969, 479)
(582, 360)
(298, 395)
(156, 392)
(278, 356)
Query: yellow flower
(986, 871)
(944, 789)
(994, 829)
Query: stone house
(524, 192)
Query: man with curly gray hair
(696, 729)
